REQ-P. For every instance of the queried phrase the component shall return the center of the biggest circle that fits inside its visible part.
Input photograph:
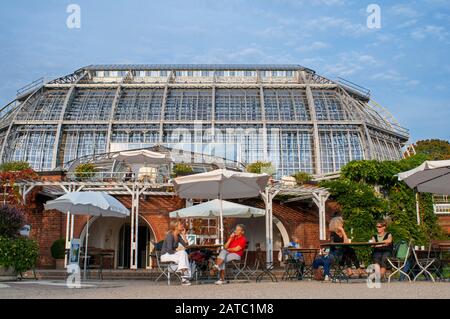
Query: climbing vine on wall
(369, 190)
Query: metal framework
(113, 184)
(287, 114)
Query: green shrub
(86, 170)
(20, 253)
(362, 205)
(182, 169)
(302, 177)
(259, 167)
(14, 166)
(58, 249)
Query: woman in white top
(173, 250)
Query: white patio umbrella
(221, 184)
(90, 204)
(212, 209)
(429, 177)
(141, 157)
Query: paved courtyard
(146, 289)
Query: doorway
(144, 238)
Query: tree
(369, 190)
(434, 149)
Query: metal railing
(440, 209)
(358, 89)
(117, 177)
(30, 87)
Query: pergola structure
(133, 189)
(318, 195)
(136, 189)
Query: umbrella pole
(221, 220)
(417, 208)
(85, 248)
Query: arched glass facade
(285, 114)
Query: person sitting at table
(334, 254)
(173, 250)
(295, 255)
(295, 243)
(348, 254)
(233, 250)
(382, 251)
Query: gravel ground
(284, 290)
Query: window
(188, 105)
(237, 105)
(139, 105)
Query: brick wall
(444, 221)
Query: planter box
(7, 274)
(59, 264)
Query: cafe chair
(166, 269)
(399, 260)
(424, 263)
(241, 267)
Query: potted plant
(58, 251)
(302, 178)
(85, 171)
(182, 169)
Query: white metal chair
(165, 268)
(424, 264)
(400, 259)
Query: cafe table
(197, 271)
(339, 268)
(309, 255)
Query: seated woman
(348, 254)
(173, 250)
(233, 250)
(336, 254)
(382, 251)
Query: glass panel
(32, 144)
(189, 105)
(139, 105)
(237, 105)
(47, 106)
(90, 104)
(78, 141)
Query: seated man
(296, 256)
(233, 250)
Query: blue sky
(405, 64)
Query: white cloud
(317, 45)
(432, 31)
(351, 63)
(341, 25)
(404, 11)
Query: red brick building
(300, 218)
